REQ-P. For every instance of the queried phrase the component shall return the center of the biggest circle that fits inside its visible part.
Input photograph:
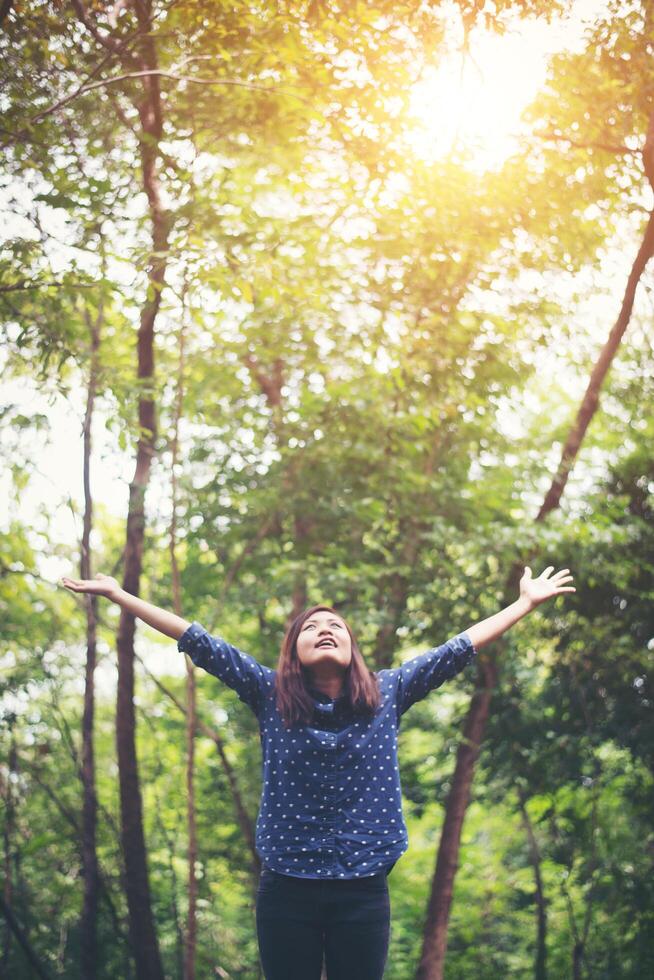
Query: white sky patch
(56, 485)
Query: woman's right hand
(100, 585)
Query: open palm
(100, 585)
(537, 590)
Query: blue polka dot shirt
(331, 800)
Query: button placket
(329, 744)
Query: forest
(288, 318)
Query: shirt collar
(322, 700)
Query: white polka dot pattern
(331, 799)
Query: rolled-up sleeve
(236, 669)
(424, 673)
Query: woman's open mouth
(326, 643)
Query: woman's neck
(332, 687)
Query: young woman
(330, 824)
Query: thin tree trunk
(432, 958)
(103, 880)
(8, 830)
(271, 382)
(143, 937)
(300, 595)
(540, 964)
(190, 939)
(89, 914)
(395, 588)
(14, 928)
(169, 846)
(243, 819)
(392, 596)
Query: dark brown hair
(294, 703)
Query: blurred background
(326, 302)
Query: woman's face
(323, 645)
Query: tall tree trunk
(143, 937)
(440, 898)
(88, 918)
(590, 401)
(432, 958)
(540, 964)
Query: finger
(550, 568)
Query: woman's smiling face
(323, 645)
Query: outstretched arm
(533, 591)
(160, 619)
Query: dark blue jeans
(299, 918)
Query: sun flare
(474, 101)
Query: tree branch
(120, 50)
(158, 72)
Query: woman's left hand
(537, 590)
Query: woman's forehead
(324, 614)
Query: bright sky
(477, 102)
